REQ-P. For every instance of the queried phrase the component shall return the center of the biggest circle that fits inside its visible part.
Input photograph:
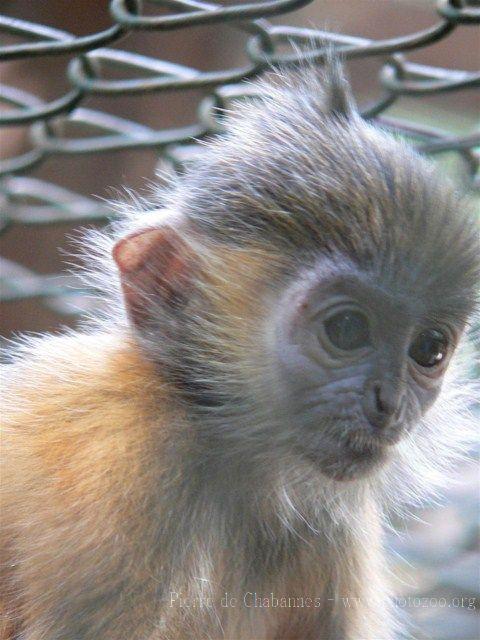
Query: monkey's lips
(356, 455)
(355, 464)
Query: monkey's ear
(155, 266)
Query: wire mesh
(27, 200)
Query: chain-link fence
(91, 63)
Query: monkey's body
(87, 458)
(268, 374)
(72, 441)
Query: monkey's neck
(272, 503)
(271, 523)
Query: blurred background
(83, 115)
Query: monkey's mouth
(360, 440)
(355, 463)
(354, 457)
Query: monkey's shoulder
(71, 375)
(78, 412)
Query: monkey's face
(359, 366)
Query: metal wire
(87, 74)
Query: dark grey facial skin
(351, 405)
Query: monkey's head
(311, 287)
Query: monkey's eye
(348, 330)
(429, 348)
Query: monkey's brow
(454, 316)
(365, 287)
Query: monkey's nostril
(384, 405)
(400, 411)
(380, 405)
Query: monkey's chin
(348, 464)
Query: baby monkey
(213, 456)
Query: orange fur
(85, 414)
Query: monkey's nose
(384, 403)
